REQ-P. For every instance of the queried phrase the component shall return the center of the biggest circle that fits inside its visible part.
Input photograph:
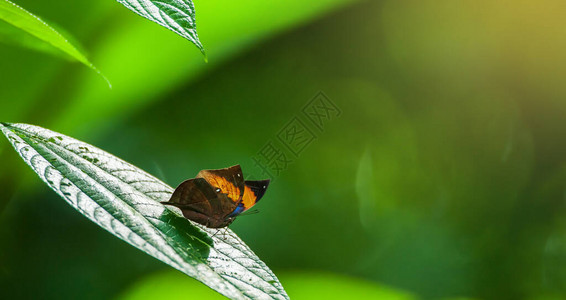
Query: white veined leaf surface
(124, 200)
(175, 15)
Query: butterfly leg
(217, 231)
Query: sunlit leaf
(175, 15)
(328, 286)
(300, 284)
(32, 24)
(124, 200)
(11, 35)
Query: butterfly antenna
(250, 212)
(159, 171)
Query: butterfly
(214, 198)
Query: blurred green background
(444, 177)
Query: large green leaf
(32, 24)
(175, 15)
(124, 200)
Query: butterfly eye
(217, 190)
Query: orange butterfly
(216, 197)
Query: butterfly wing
(200, 202)
(253, 192)
(194, 194)
(229, 181)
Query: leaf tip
(101, 75)
(204, 54)
(201, 49)
(106, 79)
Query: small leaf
(175, 15)
(124, 200)
(32, 24)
